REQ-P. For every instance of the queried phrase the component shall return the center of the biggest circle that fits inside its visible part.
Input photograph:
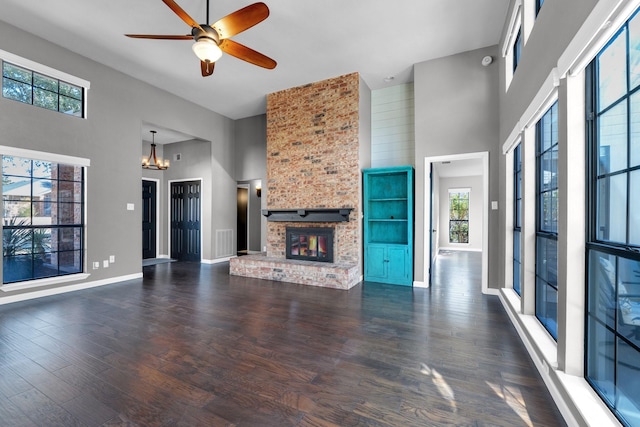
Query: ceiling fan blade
(247, 54)
(241, 20)
(182, 14)
(207, 68)
(159, 37)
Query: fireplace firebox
(310, 243)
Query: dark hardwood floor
(189, 345)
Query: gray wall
(456, 106)
(251, 166)
(110, 138)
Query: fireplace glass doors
(310, 244)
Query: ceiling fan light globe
(207, 50)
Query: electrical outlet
(96, 265)
(112, 259)
(105, 263)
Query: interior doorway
(436, 219)
(185, 222)
(149, 218)
(243, 219)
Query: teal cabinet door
(398, 262)
(377, 266)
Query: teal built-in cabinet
(388, 225)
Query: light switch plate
(494, 205)
(130, 206)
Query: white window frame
(49, 72)
(56, 158)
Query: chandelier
(153, 162)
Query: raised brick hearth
(328, 275)
(313, 162)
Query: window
(613, 238)
(517, 217)
(547, 220)
(458, 216)
(517, 49)
(538, 5)
(24, 85)
(43, 219)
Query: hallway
(190, 345)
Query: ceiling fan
(212, 40)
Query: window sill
(43, 282)
(574, 397)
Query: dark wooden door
(185, 221)
(149, 219)
(243, 201)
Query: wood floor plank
(189, 345)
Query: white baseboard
(64, 289)
(217, 260)
(420, 284)
(458, 248)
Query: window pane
(70, 262)
(612, 208)
(634, 52)
(634, 118)
(602, 280)
(629, 300)
(70, 173)
(16, 166)
(69, 239)
(70, 91)
(545, 132)
(612, 64)
(44, 82)
(546, 307)
(14, 72)
(634, 208)
(516, 277)
(601, 359)
(70, 106)
(628, 381)
(69, 214)
(45, 99)
(69, 191)
(16, 91)
(17, 212)
(612, 139)
(16, 188)
(547, 263)
(16, 268)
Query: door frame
(158, 212)
(248, 188)
(483, 156)
(169, 182)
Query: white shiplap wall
(392, 126)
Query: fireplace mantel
(307, 215)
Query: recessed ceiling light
(388, 79)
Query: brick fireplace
(313, 163)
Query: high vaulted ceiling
(310, 40)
